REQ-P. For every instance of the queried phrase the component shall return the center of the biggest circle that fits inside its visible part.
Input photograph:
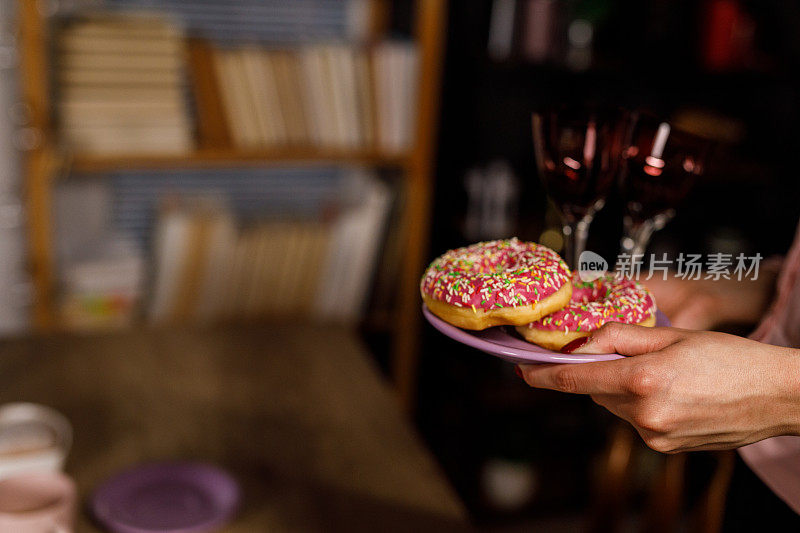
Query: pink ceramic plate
(503, 342)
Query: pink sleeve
(773, 265)
(777, 460)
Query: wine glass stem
(636, 236)
(576, 233)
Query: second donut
(593, 303)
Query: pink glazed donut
(493, 283)
(593, 303)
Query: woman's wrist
(741, 301)
(785, 366)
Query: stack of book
(273, 21)
(121, 85)
(103, 291)
(396, 77)
(207, 269)
(100, 270)
(252, 193)
(325, 96)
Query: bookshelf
(44, 163)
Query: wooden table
(299, 415)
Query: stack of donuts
(514, 283)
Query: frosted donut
(593, 303)
(505, 282)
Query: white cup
(32, 438)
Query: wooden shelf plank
(229, 158)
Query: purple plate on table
(167, 497)
(505, 343)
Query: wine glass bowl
(578, 153)
(660, 166)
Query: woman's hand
(685, 390)
(688, 303)
(706, 304)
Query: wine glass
(660, 166)
(578, 157)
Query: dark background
(648, 55)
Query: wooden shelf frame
(38, 164)
(42, 164)
(221, 158)
(431, 27)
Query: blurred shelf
(216, 158)
(614, 65)
(689, 82)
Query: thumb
(628, 339)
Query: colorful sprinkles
(495, 274)
(606, 299)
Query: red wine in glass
(661, 164)
(578, 157)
